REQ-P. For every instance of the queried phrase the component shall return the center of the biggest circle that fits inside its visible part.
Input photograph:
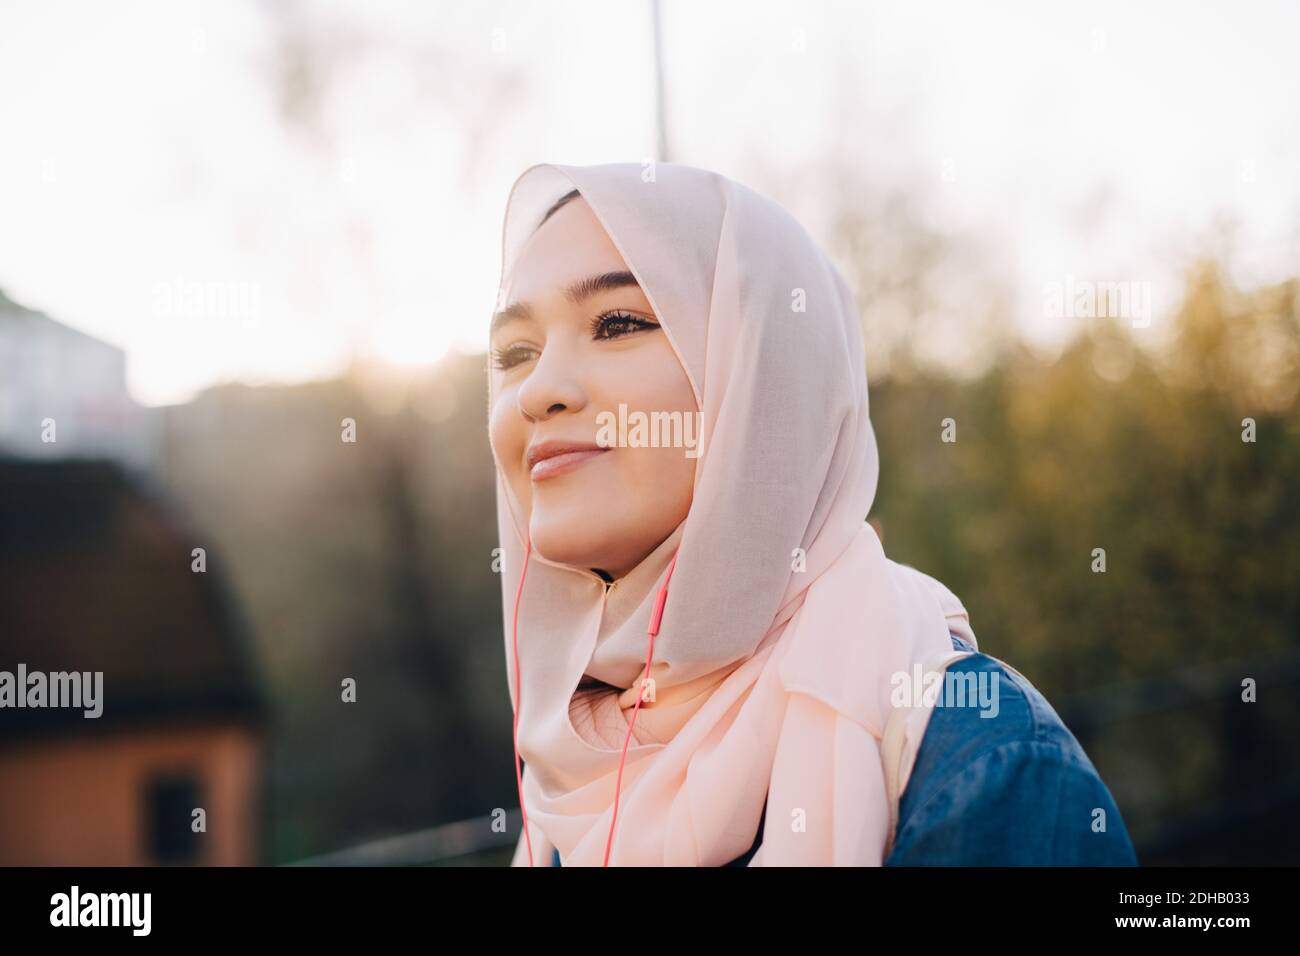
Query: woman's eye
(611, 325)
(510, 357)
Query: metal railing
(1086, 715)
(425, 847)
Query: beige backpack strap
(902, 739)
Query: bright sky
(152, 193)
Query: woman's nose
(552, 387)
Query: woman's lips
(561, 464)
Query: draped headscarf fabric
(785, 621)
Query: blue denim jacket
(1015, 789)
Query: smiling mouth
(562, 464)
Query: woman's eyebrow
(576, 293)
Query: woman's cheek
(506, 437)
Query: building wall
(48, 370)
(85, 801)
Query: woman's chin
(564, 548)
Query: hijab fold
(785, 622)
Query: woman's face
(563, 354)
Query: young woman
(710, 658)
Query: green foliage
(1112, 446)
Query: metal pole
(661, 121)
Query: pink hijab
(785, 624)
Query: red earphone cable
(656, 619)
(514, 639)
